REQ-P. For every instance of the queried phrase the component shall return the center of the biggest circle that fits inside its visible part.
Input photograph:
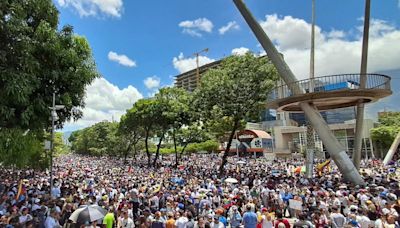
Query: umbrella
(231, 180)
(241, 162)
(87, 214)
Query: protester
(194, 195)
(249, 218)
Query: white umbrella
(231, 180)
(241, 162)
(87, 214)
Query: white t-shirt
(51, 223)
(217, 225)
(127, 223)
(181, 222)
(378, 223)
(25, 218)
(364, 221)
(266, 223)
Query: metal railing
(332, 83)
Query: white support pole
(363, 81)
(333, 146)
(365, 149)
(372, 147)
(392, 150)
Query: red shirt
(284, 221)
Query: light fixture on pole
(54, 117)
(197, 54)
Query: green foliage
(36, 60)
(219, 127)
(59, 145)
(97, 140)
(208, 146)
(238, 88)
(384, 135)
(21, 149)
(144, 115)
(390, 119)
(389, 126)
(235, 91)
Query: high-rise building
(188, 80)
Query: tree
(97, 140)
(208, 146)
(59, 145)
(235, 90)
(144, 112)
(22, 149)
(130, 132)
(176, 114)
(37, 60)
(173, 113)
(188, 135)
(389, 126)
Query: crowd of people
(252, 193)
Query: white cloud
(121, 59)
(336, 34)
(104, 101)
(289, 32)
(232, 25)
(240, 51)
(94, 7)
(152, 82)
(196, 27)
(183, 64)
(334, 52)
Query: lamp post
(54, 118)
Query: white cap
(385, 211)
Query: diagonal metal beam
(332, 145)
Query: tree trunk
(158, 149)
(176, 151)
(127, 152)
(183, 149)
(134, 151)
(228, 147)
(146, 143)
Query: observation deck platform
(330, 92)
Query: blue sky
(140, 45)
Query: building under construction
(189, 80)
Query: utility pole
(54, 118)
(363, 80)
(197, 54)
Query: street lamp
(54, 117)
